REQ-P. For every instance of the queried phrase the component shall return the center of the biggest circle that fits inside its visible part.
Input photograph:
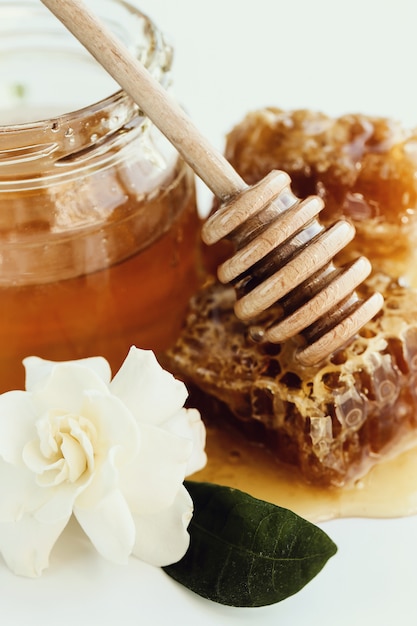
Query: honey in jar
(99, 232)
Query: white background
(233, 56)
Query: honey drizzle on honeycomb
(332, 421)
(363, 167)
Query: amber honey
(140, 300)
(389, 489)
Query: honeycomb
(363, 167)
(335, 420)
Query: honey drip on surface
(389, 489)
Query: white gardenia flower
(112, 452)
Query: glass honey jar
(99, 230)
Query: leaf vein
(254, 554)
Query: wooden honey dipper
(283, 253)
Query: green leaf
(246, 552)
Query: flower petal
(20, 495)
(17, 424)
(110, 527)
(18, 492)
(115, 424)
(26, 544)
(104, 480)
(163, 539)
(151, 393)
(38, 370)
(187, 423)
(151, 482)
(64, 388)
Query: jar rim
(157, 59)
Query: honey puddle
(388, 490)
